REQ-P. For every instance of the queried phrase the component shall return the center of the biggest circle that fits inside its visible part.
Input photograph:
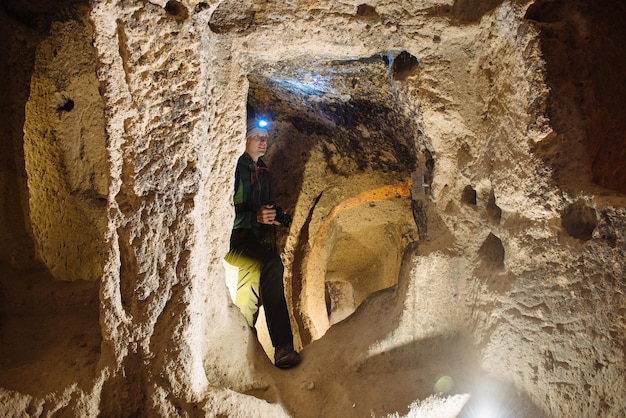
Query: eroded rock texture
(454, 170)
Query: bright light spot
(487, 410)
(262, 123)
(436, 406)
(492, 398)
(444, 384)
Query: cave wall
(583, 43)
(18, 44)
(521, 271)
(169, 147)
(65, 155)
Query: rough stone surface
(65, 155)
(453, 169)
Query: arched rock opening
(584, 46)
(342, 155)
(541, 294)
(54, 181)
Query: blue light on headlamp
(257, 126)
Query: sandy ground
(434, 377)
(49, 333)
(51, 340)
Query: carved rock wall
(465, 123)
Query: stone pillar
(168, 323)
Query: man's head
(256, 142)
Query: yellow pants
(248, 284)
(260, 281)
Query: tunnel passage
(584, 46)
(342, 153)
(54, 182)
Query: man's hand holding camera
(272, 215)
(267, 215)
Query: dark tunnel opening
(342, 154)
(579, 40)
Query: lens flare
(444, 384)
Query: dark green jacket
(252, 190)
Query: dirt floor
(438, 375)
(49, 332)
(51, 337)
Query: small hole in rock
(579, 220)
(403, 66)
(492, 252)
(67, 106)
(365, 10)
(176, 10)
(469, 196)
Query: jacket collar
(249, 159)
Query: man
(260, 279)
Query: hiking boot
(285, 357)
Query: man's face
(256, 145)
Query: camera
(281, 217)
